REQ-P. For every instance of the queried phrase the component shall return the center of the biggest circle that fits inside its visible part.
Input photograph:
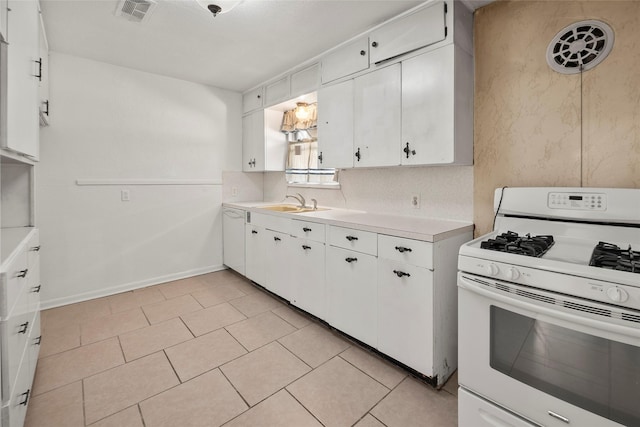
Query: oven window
(594, 373)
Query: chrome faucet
(299, 198)
(315, 204)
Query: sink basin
(290, 208)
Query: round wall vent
(580, 47)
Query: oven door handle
(468, 284)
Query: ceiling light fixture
(302, 111)
(218, 7)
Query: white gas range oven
(549, 311)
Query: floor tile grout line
(140, 413)
(236, 390)
(173, 367)
(302, 404)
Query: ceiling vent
(135, 10)
(580, 47)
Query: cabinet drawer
(308, 230)
(414, 252)
(18, 399)
(356, 240)
(15, 333)
(14, 281)
(33, 347)
(271, 222)
(33, 285)
(346, 60)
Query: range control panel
(578, 201)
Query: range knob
(492, 269)
(617, 294)
(513, 273)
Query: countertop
(418, 228)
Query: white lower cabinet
(233, 235)
(405, 317)
(255, 249)
(277, 266)
(352, 293)
(308, 276)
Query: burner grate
(608, 255)
(510, 242)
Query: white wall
(113, 123)
(445, 191)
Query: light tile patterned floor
(216, 350)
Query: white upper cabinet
(277, 91)
(252, 100)
(264, 147)
(377, 121)
(24, 67)
(346, 60)
(414, 31)
(437, 108)
(305, 81)
(43, 87)
(335, 125)
(3, 19)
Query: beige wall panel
(528, 117)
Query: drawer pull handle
(350, 260)
(351, 238)
(254, 232)
(23, 273)
(306, 229)
(402, 249)
(558, 417)
(401, 273)
(36, 248)
(23, 328)
(305, 247)
(277, 239)
(37, 340)
(26, 397)
(36, 289)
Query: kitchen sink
(290, 208)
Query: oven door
(553, 359)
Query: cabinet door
(277, 91)
(419, 29)
(233, 238)
(22, 71)
(308, 276)
(3, 19)
(252, 100)
(377, 121)
(352, 293)
(346, 60)
(305, 81)
(427, 108)
(335, 125)
(255, 250)
(405, 314)
(253, 142)
(43, 87)
(278, 263)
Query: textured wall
(531, 126)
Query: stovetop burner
(608, 255)
(511, 242)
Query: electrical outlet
(234, 191)
(415, 201)
(124, 195)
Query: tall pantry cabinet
(23, 76)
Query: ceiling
(238, 50)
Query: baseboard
(57, 302)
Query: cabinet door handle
(26, 397)
(351, 238)
(23, 273)
(306, 229)
(350, 260)
(36, 289)
(305, 247)
(401, 273)
(39, 75)
(374, 44)
(276, 238)
(38, 340)
(408, 151)
(23, 328)
(358, 154)
(320, 157)
(254, 232)
(363, 52)
(46, 104)
(36, 248)
(402, 249)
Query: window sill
(328, 186)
